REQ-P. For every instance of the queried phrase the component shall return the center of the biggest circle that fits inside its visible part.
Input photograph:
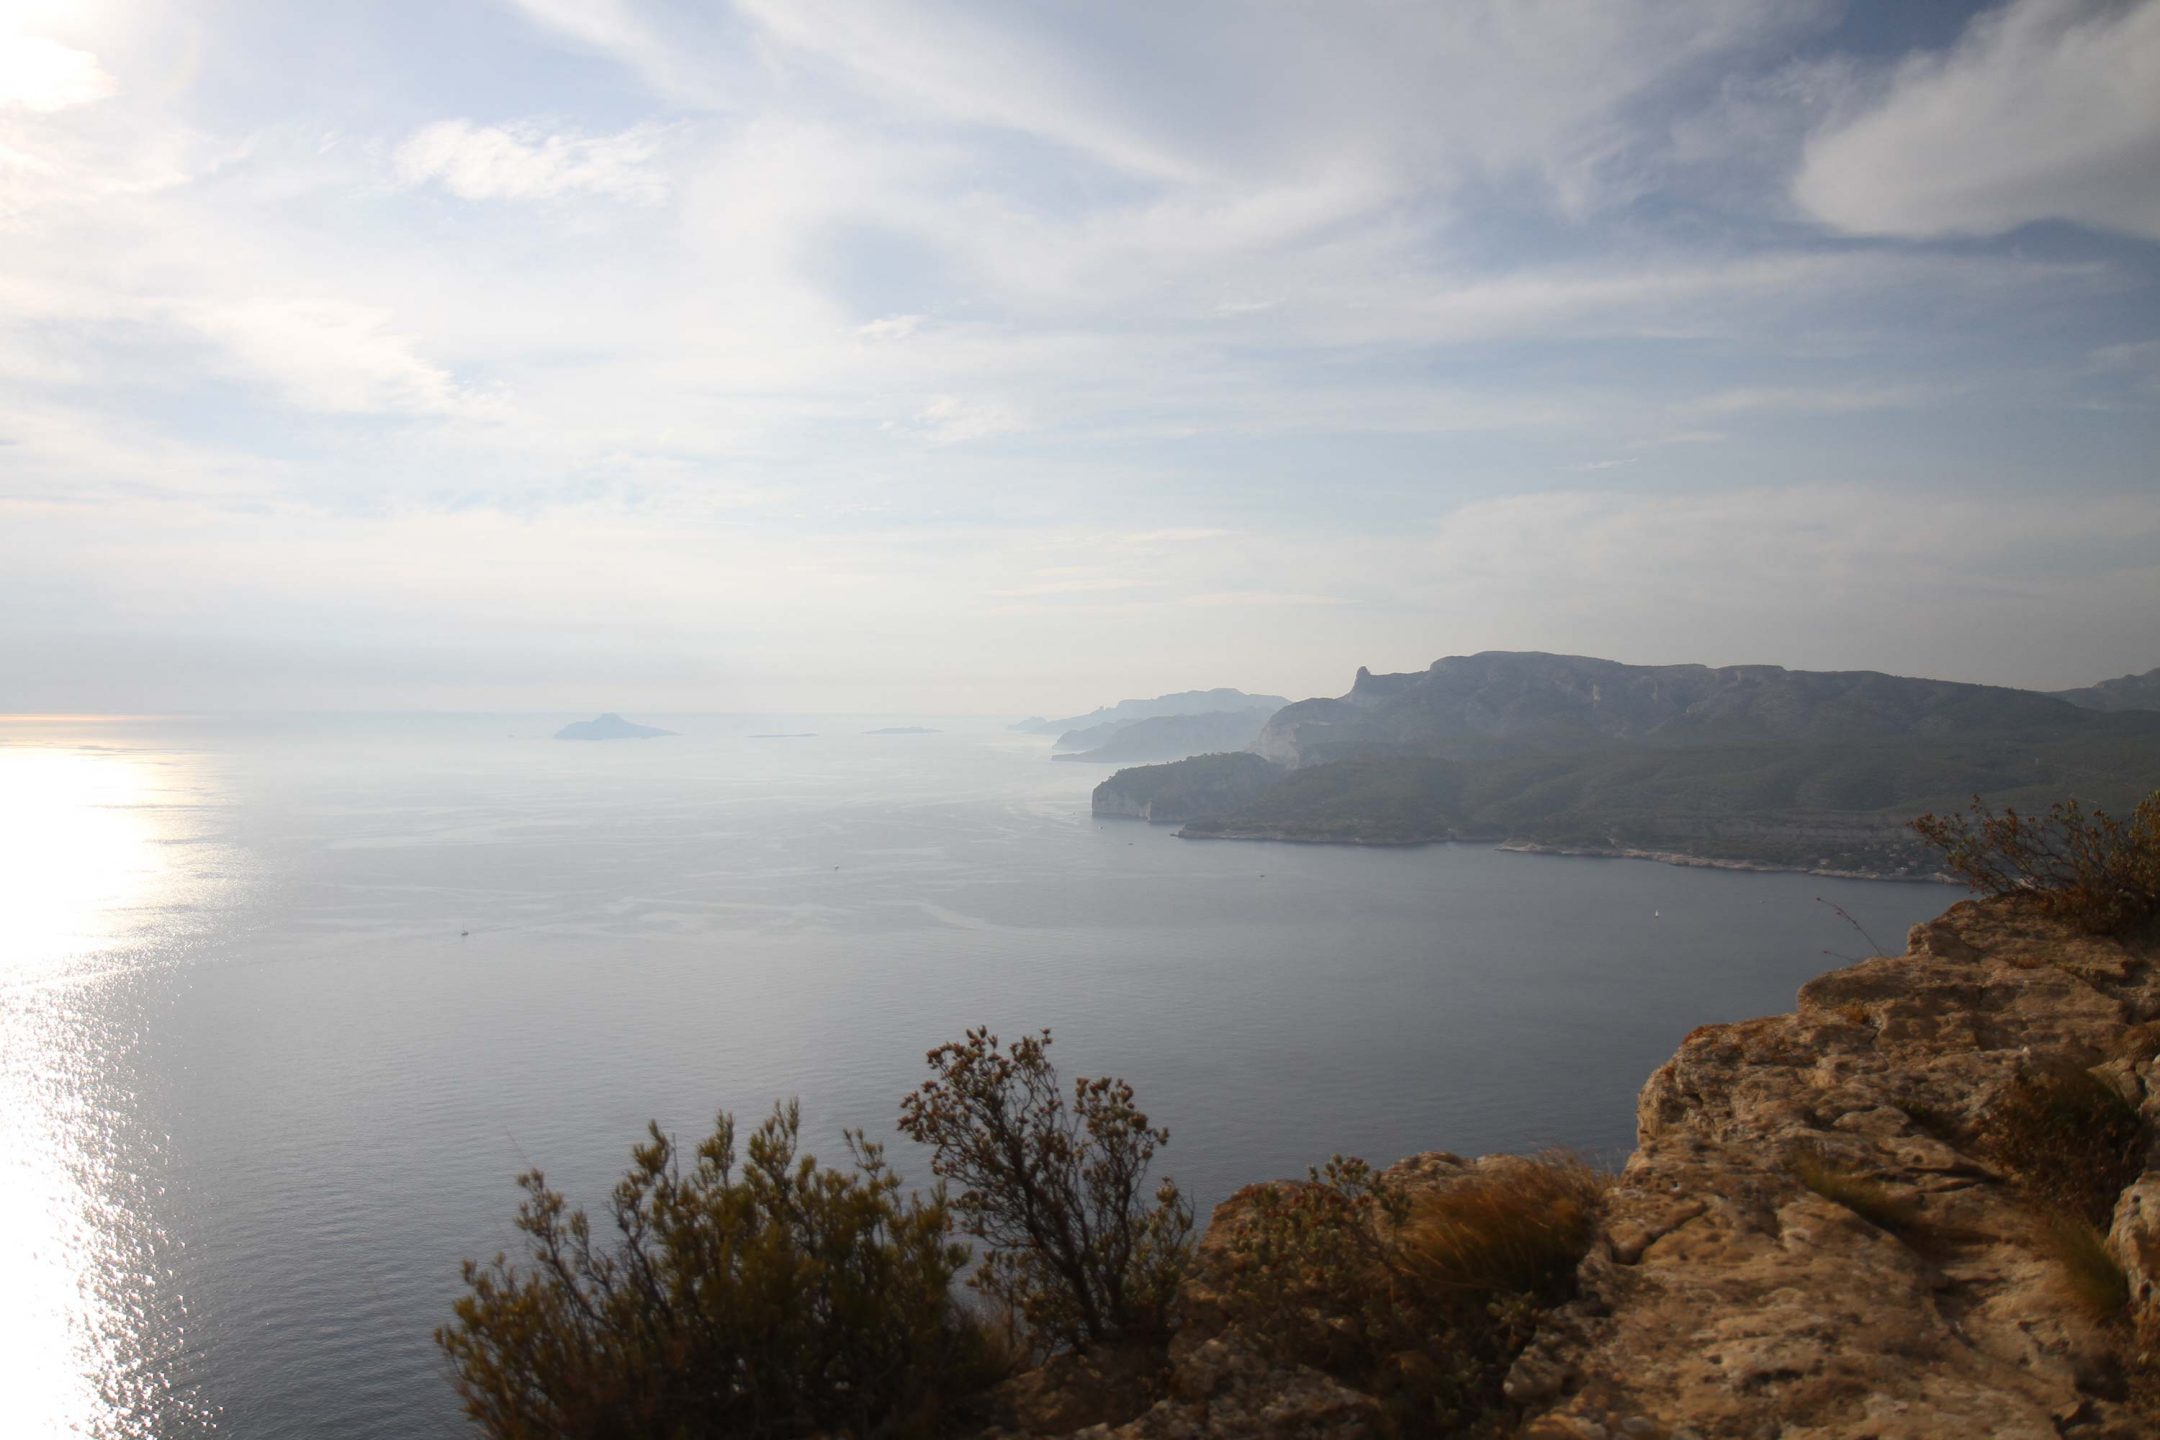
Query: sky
(921, 357)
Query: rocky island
(609, 727)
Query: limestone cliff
(1725, 1298)
(1729, 1299)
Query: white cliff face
(1278, 742)
(1116, 803)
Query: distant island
(1125, 712)
(1163, 737)
(904, 730)
(1747, 766)
(609, 727)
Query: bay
(286, 1003)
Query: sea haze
(320, 988)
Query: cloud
(43, 75)
(969, 69)
(2044, 110)
(950, 420)
(1807, 400)
(335, 356)
(668, 62)
(890, 327)
(525, 162)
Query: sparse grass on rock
(2068, 1139)
(1420, 1294)
(1513, 1229)
(1870, 1199)
(2091, 1276)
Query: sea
(287, 1003)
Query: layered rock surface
(1724, 1298)
(1729, 1300)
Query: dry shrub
(2068, 1138)
(1081, 1247)
(764, 1297)
(1840, 1184)
(1424, 1299)
(2087, 869)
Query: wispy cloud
(880, 310)
(2045, 110)
(528, 162)
(334, 356)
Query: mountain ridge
(1753, 765)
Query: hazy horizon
(805, 356)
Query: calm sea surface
(285, 1006)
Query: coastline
(1587, 852)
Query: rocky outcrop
(1729, 1299)
(1172, 794)
(1723, 1297)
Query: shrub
(1058, 1194)
(1871, 1200)
(2087, 869)
(2067, 1137)
(774, 1299)
(1424, 1300)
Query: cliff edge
(1729, 1298)
(1820, 1235)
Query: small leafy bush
(2067, 1137)
(1077, 1246)
(1424, 1300)
(1872, 1201)
(769, 1299)
(2087, 869)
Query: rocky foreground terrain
(1725, 1297)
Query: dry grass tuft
(1871, 1200)
(1423, 1298)
(2067, 1137)
(1519, 1230)
(2090, 1274)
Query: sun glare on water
(84, 870)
